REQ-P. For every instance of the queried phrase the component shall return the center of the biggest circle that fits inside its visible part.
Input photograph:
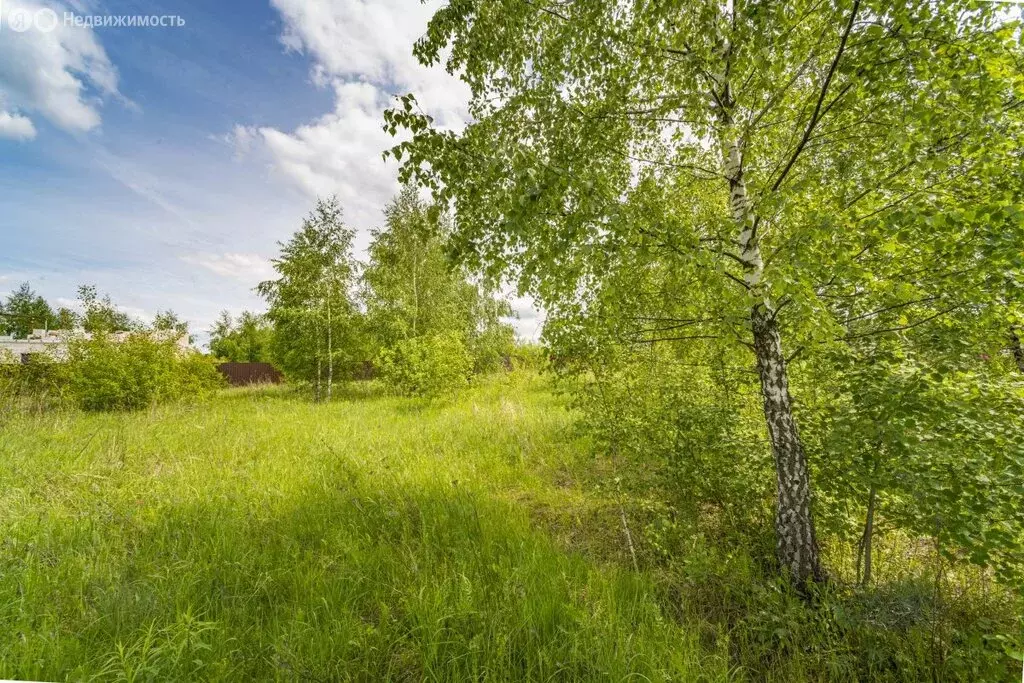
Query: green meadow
(259, 536)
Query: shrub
(133, 373)
(36, 385)
(491, 347)
(528, 356)
(426, 366)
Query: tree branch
(901, 328)
(815, 117)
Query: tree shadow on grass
(361, 579)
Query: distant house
(39, 342)
(54, 343)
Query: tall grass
(258, 536)
(261, 537)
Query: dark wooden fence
(242, 374)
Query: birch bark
(796, 542)
(330, 351)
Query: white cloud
(61, 74)
(369, 40)
(16, 127)
(240, 138)
(340, 153)
(529, 320)
(249, 268)
(363, 50)
(65, 302)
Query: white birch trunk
(316, 393)
(316, 334)
(330, 350)
(796, 543)
(415, 294)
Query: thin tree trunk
(629, 538)
(316, 394)
(318, 371)
(330, 349)
(865, 541)
(415, 294)
(1016, 348)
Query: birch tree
(245, 340)
(769, 155)
(312, 302)
(412, 289)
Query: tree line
(119, 363)
(424, 323)
(24, 310)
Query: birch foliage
(312, 301)
(797, 179)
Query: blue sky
(163, 163)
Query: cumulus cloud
(250, 268)
(241, 138)
(61, 74)
(16, 127)
(340, 153)
(362, 49)
(371, 40)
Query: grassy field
(259, 537)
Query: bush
(909, 629)
(491, 348)
(37, 385)
(426, 366)
(136, 372)
(528, 356)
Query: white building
(53, 343)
